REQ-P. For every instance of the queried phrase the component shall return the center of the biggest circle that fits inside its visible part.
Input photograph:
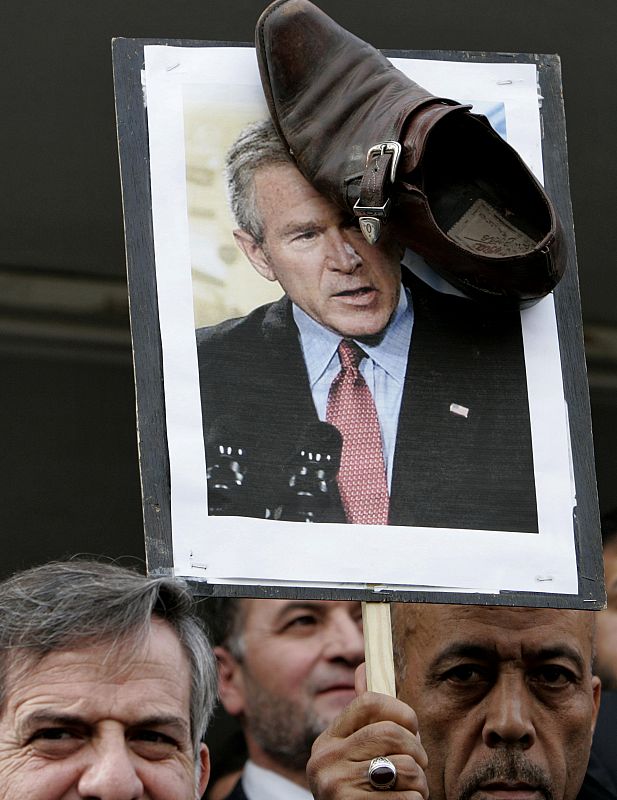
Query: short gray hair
(257, 146)
(67, 605)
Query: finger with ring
(381, 773)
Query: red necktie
(362, 477)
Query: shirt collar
(263, 784)
(319, 345)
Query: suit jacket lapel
(288, 390)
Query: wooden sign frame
(154, 460)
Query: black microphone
(229, 453)
(311, 492)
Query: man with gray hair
(107, 683)
(418, 396)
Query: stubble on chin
(283, 731)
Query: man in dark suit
(446, 376)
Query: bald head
(504, 697)
(414, 624)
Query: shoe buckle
(371, 216)
(381, 149)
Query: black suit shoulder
(239, 358)
(249, 351)
(237, 327)
(254, 387)
(601, 778)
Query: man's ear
(204, 774)
(596, 688)
(231, 682)
(255, 253)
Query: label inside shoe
(483, 230)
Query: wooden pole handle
(378, 648)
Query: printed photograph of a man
(364, 394)
(311, 376)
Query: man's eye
(301, 621)
(53, 733)
(305, 619)
(305, 236)
(466, 674)
(553, 675)
(153, 745)
(56, 742)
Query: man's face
(295, 674)
(320, 257)
(90, 723)
(606, 638)
(505, 699)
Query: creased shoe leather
(462, 197)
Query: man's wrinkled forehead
(435, 626)
(119, 654)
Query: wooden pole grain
(378, 648)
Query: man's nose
(345, 641)
(509, 714)
(110, 773)
(340, 255)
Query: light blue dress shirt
(383, 369)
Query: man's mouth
(361, 296)
(511, 790)
(508, 775)
(344, 691)
(361, 290)
(337, 687)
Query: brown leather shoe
(381, 146)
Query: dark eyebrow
(61, 720)
(463, 650)
(300, 605)
(161, 720)
(57, 719)
(300, 227)
(297, 605)
(560, 651)
(485, 653)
